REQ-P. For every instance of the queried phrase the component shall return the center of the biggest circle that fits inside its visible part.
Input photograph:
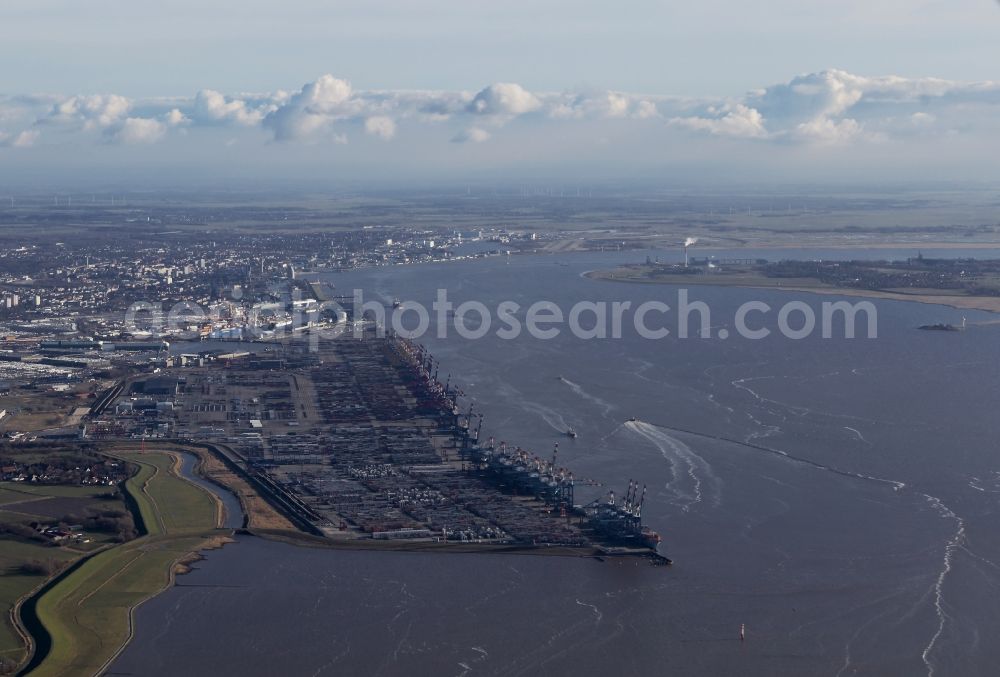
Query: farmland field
(87, 614)
(22, 503)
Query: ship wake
(953, 544)
(578, 389)
(895, 484)
(692, 477)
(551, 417)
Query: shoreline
(259, 513)
(989, 304)
(181, 565)
(291, 536)
(304, 540)
(156, 536)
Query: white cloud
(325, 95)
(313, 109)
(811, 96)
(645, 109)
(608, 104)
(836, 107)
(735, 121)
(381, 126)
(828, 107)
(617, 105)
(137, 131)
(97, 111)
(432, 106)
(175, 118)
(504, 99)
(471, 135)
(24, 139)
(824, 130)
(211, 106)
(18, 110)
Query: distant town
(64, 327)
(960, 282)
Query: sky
(391, 89)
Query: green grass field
(178, 504)
(8, 513)
(87, 613)
(22, 503)
(9, 495)
(14, 584)
(24, 490)
(135, 486)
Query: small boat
(633, 419)
(396, 303)
(571, 433)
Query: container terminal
(359, 443)
(519, 472)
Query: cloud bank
(828, 108)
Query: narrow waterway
(232, 510)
